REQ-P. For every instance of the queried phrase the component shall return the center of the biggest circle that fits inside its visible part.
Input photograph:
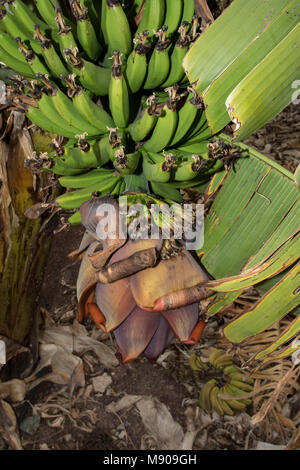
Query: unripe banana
(66, 109)
(205, 401)
(85, 31)
(136, 67)
(65, 35)
(159, 64)
(118, 94)
(189, 168)
(165, 127)
(85, 179)
(144, 123)
(50, 55)
(188, 10)
(17, 65)
(95, 115)
(117, 27)
(173, 16)
(33, 60)
(126, 164)
(74, 199)
(215, 402)
(157, 167)
(91, 76)
(13, 27)
(176, 72)
(153, 16)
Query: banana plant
(138, 95)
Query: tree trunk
(23, 246)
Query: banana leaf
(245, 64)
(252, 234)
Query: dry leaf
(160, 424)
(14, 390)
(125, 402)
(60, 365)
(8, 426)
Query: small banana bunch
(221, 393)
(113, 93)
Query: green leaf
(280, 300)
(267, 90)
(254, 213)
(221, 301)
(217, 92)
(227, 37)
(281, 260)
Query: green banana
(47, 11)
(241, 385)
(144, 123)
(94, 10)
(60, 168)
(205, 401)
(74, 199)
(94, 114)
(174, 9)
(91, 76)
(26, 17)
(65, 35)
(136, 66)
(103, 21)
(83, 156)
(50, 55)
(118, 94)
(187, 116)
(10, 46)
(165, 127)
(232, 369)
(117, 27)
(85, 31)
(86, 179)
(242, 377)
(75, 219)
(41, 120)
(159, 64)
(157, 168)
(47, 107)
(224, 404)
(176, 72)
(66, 109)
(214, 355)
(215, 402)
(188, 168)
(13, 27)
(126, 164)
(153, 16)
(188, 10)
(33, 60)
(15, 64)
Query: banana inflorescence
(226, 390)
(112, 92)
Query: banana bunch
(222, 393)
(115, 94)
